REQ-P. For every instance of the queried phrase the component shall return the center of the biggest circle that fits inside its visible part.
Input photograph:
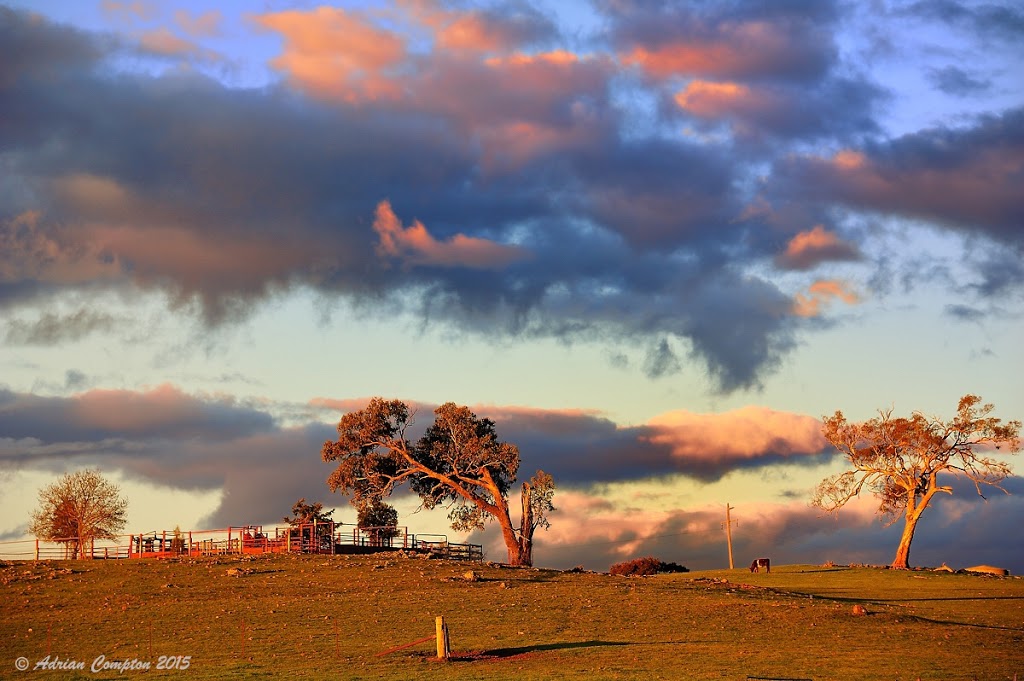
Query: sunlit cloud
(819, 294)
(414, 245)
(729, 50)
(746, 433)
(337, 54)
(808, 249)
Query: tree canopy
(78, 509)
(901, 460)
(458, 463)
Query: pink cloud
(335, 54)
(163, 42)
(131, 411)
(735, 49)
(808, 249)
(415, 245)
(819, 294)
(713, 99)
(743, 434)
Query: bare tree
(78, 509)
(900, 461)
(458, 463)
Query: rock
(859, 610)
(944, 568)
(235, 572)
(471, 576)
(988, 570)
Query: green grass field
(331, 616)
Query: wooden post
(37, 548)
(131, 542)
(190, 543)
(728, 532)
(441, 633)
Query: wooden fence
(318, 538)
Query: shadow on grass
(499, 653)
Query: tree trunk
(519, 544)
(902, 560)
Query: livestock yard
(351, 616)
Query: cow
(761, 563)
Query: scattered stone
(943, 568)
(859, 610)
(236, 572)
(471, 576)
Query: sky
(656, 242)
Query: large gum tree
(905, 461)
(458, 463)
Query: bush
(644, 566)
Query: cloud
(414, 245)
(740, 435)
(54, 329)
(338, 54)
(163, 42)
(160, 412)
(581, 448)
(955, 81)
(807, 250)
(724, 47)
(637, 231)
(965, 179)
(819, 293)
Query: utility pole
(728, 530)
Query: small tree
(459, 463)
(78, 509)
(304, 514)
(378, 520)
(314, 515)
(899, 460)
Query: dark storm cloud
(98, 415)
(967, 179)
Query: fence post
(37, 548)
(441, 632)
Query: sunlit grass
(330, 617)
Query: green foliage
(648, 565)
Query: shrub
(644, 566)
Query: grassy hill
(330, 617)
